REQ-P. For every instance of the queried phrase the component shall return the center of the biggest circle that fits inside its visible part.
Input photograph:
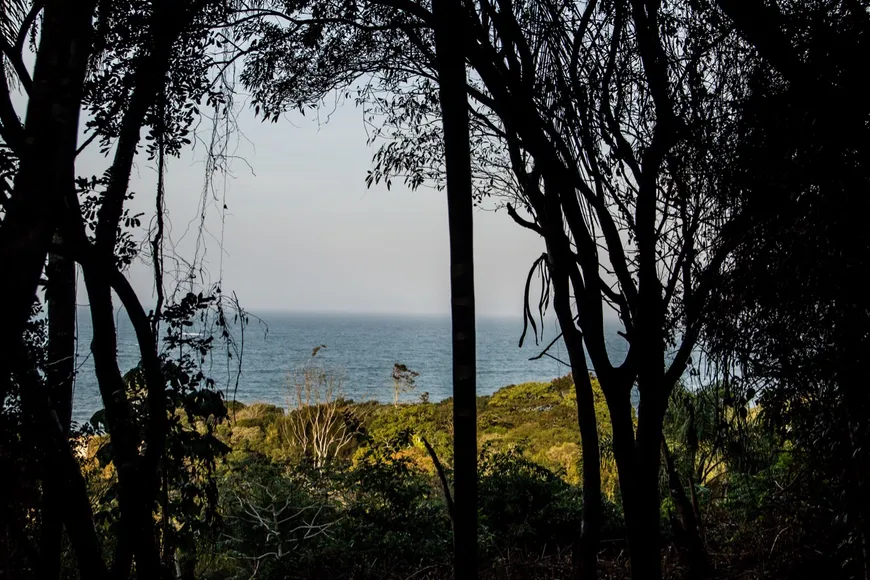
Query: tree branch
(523, 222)
(442, 478)
(17, 64)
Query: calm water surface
(362, 348)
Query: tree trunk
(442, 479)
(137, 475)
(585, 556)
(61, 367)
(454, 107)
(638, 466)
(60, 376)
(641, 504)
(135, 488)
(46, 163)
(61, 472)
(47, 168)
(590, 529)
(76, 509)
(165, 24)
(689, 536)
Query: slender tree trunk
(442, 479)
(590, 530)
(449, 43)
(76, 509)
(585, 558)
(46, 159)
(697, 561)
(47, 167)
(61, 471)
(642, 511)
(136, 487)
(166, 23)
(60, 377)
(137, 475)
(61, 368)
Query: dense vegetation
(375, 506)
(696, 167)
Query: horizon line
(323, 312)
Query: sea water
(360, 348)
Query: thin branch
(442, 478)
(27, 24)
(544, 352)
(17, 64)
(523, 222)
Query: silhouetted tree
(596, 119)
(60, 378)
(17, 19)
(450, 63)
(133, 65)
(792, 318)
(599, 121)
(33, 206)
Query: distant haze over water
(363, 348)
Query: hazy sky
(303, 233)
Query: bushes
(275, 520)
(524, 506)
(379, 518)
(377, 509)
(385, 501)
(539, 417)
(394, 513)
(382, 516)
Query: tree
(269, 517)
(320, 422)
(32, 207)
(18, 18)
(403, 380)
(600, 123)
(450, 64)
(159, 48)
(791, 320)
(60, 379)
(31, 216)
(133, 65)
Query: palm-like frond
(12, 16)
(12, 13)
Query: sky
(303, 233)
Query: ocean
(360, 348)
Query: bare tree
(274, 519)
(320, 422)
